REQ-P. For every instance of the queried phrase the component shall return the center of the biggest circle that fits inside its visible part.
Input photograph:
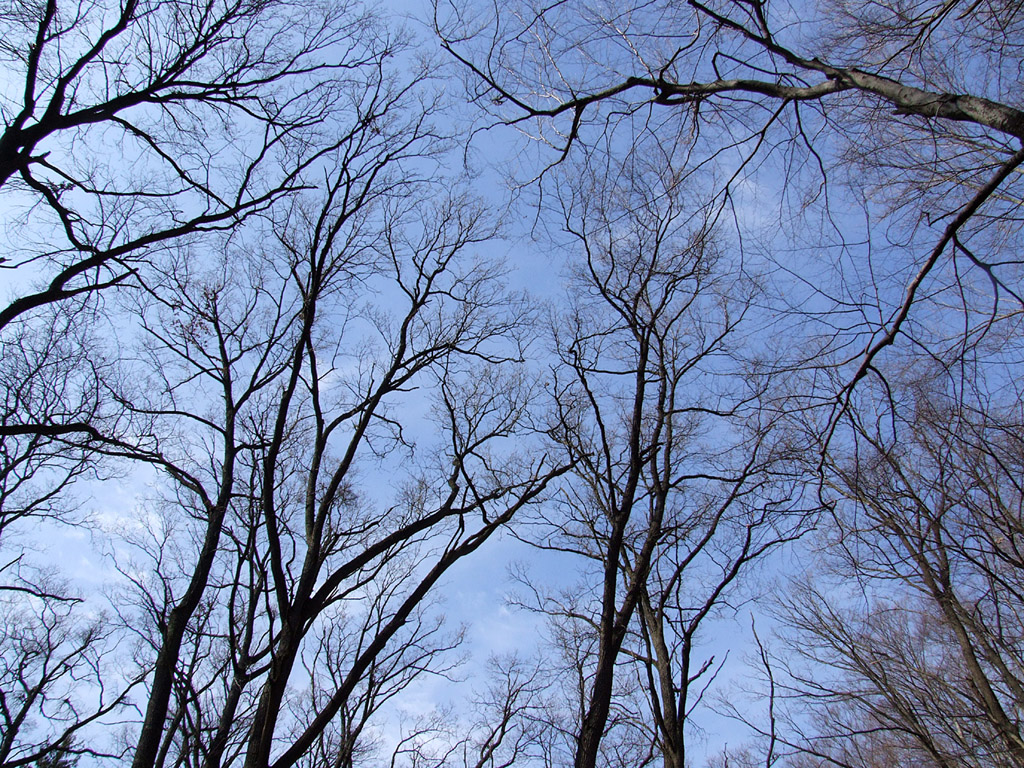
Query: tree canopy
(707, 314)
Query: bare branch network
(312, 455)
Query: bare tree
(509, 723)
(907, 112)
(294, 571)
(127, 127)
(903, 648)
(55, 667)
(235, 265)
(670, 497)
(258, 363)
(130, 124)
